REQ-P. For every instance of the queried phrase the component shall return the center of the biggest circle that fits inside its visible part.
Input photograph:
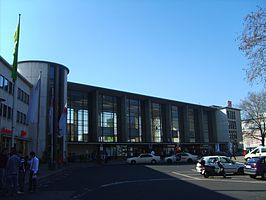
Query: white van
(257, 152)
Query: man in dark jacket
(3, 162)
(22, 172)
(12, 170)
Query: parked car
(256, 167)
(230, 166)
(144, 159)
(247, 150)
(182, 157)
(172, 159)
(257, 152)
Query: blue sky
(184, 50)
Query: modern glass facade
(174, 124)
(123, 124)
(156, 123)
(133, 120)
(107, 118)
(78, 117)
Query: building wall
(32, 71)
(21, 130)
(48, 144)
(222, 126)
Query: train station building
(111, 122)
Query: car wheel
(206, 174)
(133, 162)
(153, 162)
(252, 176)
(169, 161)
(189, 160)
(263, 176)
(240, 170)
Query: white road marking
(137, 181)
(217, 180)
(187, 176)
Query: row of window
(231, 114)
(232, 136)
(6, 85)
(21, 118)
(5, 111)
(232, 124)
(23, 96)
(79, 113)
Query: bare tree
(254, 115)
(253, 45)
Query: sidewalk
(45, 172)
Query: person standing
(34, 168)
(22, 172)
(3, 163)
(12, 170)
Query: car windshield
(253, 160)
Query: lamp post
(1, 100)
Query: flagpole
(14, 77)
(38, 120)
(13, 114)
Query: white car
(257, 152)
(144, 159)
(181, 157)
(230, 166)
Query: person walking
(34, 168)
(22, 172)
(3, 163)
(12, 170)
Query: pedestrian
(22, 172)
(12, 170)
(3, 163)
(34, 168)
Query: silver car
(230, 166)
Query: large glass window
(1, 81)
(134, 120)
(231, 115)
(6, 84)
(174, 124)
(107, 118)
(232, 124)
(156, 123)
(191, 123)
(78, 117)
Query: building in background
(47, 141)
(21, 92)
(119, 123)
(229, 127)
(104, 121)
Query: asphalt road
(127, 182)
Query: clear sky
(185, 50)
